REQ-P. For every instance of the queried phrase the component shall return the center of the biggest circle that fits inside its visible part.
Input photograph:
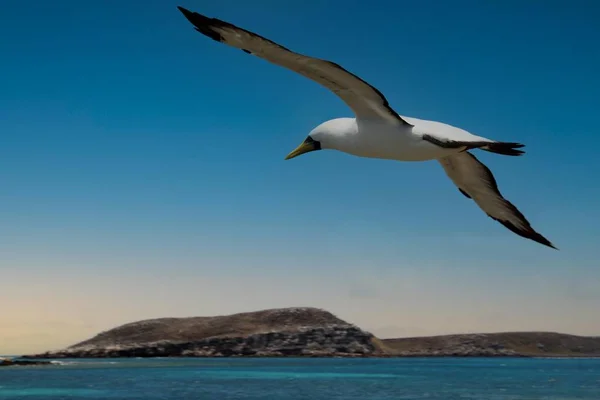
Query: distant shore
(55, 356)
(19, 362)
(308, 332)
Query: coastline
(306, 332)
(324, 356)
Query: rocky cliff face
(280, 332)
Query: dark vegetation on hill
(308, 332)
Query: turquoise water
(314, 379)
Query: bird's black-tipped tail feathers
(504, 148)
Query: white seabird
(378, 131)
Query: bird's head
(309, 144)
(328, 135)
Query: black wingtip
(504, 148)
(535, 236)
(550, 244)
(185, 12)
(528, 233)
(189, 15)
(546, 242)
(202, 23)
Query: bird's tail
(504, 148)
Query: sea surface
(314, 379)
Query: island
(307, 332)
(17, 362)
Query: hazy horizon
(372, 303)
(143, 173)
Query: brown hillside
(294, 332)
(199, 328)
(532, 344)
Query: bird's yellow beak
(305, 147)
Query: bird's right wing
(476, 182)
(365, 100)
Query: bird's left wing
(476, 182)
(365, 100)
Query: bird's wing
(365, 100)
(476, 182)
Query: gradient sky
(143, 176)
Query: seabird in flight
(377, 131)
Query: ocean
(306, 378)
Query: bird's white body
(374, 138)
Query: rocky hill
(308, 332)
(514, 344)
(276, 332)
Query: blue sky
(141, 161)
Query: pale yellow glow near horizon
(55, 310)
